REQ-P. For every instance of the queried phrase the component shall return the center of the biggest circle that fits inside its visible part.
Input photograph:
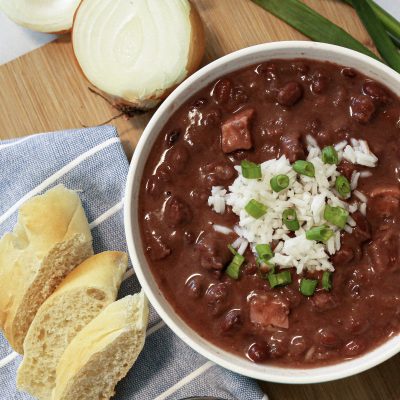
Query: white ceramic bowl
(209, 73)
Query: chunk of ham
(267, 310)
(236, 132)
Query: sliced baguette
(80, 297)
(52, 236)
(103, 352)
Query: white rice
(307, 195)
(363, 208)
(222, 229)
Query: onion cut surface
(137, 51)
(50, 16)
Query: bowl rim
(281, 374)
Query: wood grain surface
(44, 91)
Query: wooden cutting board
(44, 91)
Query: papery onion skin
(195, 55)
(46, 16)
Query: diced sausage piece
(236, 132)
(346, 168)
(376, 91)
(213, 251)
(217, 297)
(362, 108)
(323, 301)
(385, 201)
(176, 212)
(292, 146)
(290, 94)
(267, 310)
(384, 249)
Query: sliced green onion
(330, 155)
(327, 280)
(279, 182)
(251, 170)
(342, 185)
(234, 267)
(232, 249)
(319, 233)
(375, 28)
(304, 168)
(312, 24)
(280, 279)
(255, 209)
(390, 23)
(336, 215)
(264, 252)
(289, 218)
(307, 286)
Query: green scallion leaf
(250, 170)
(374, 26)
(280, 279)
(255, 209)
(307, 286)
(289, 218)
(232, 249)
(319, 233)
(336, 215)
(279, 182)
(312, 24)
(233, 268)
(303, 167)
(342, 185)
(327, 280)
(330, 155)
(264, 252)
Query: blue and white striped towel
(92, 161)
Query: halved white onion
(137, 51)
(51, 16)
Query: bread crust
(51, 237)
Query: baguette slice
(52, 236)
(103, 352)
(81, 296)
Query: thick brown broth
(284, 100)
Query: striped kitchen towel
(92, 162)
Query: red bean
(278, 344)
(213, 251)
(156, 248)
(354, 347)
(222, 91)
(257, 352)
(323, 301)
(232, 321)
(290, 94)
(362, 109)
(327, 338)
(195, 286)
(217, 297)
(172, 137)
(376, 91)
(319, 83)
(199, 196)
(297, 346)
(176, 212)
(292, 146)
(154, 186)
(349, 72)
(177, 158)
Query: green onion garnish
(234, 267)
(289, 218)
(319, 233)
(307, 286)
(330, 155)
(255, 208)
(327, 280)
(264, 252)
(304, 168)
(279, 182)
(250, 170)
(312, 24)
(232, 249)
(336, 215)
(342, 185)
(375, 28)
(280, 279)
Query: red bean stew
(257, 114)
